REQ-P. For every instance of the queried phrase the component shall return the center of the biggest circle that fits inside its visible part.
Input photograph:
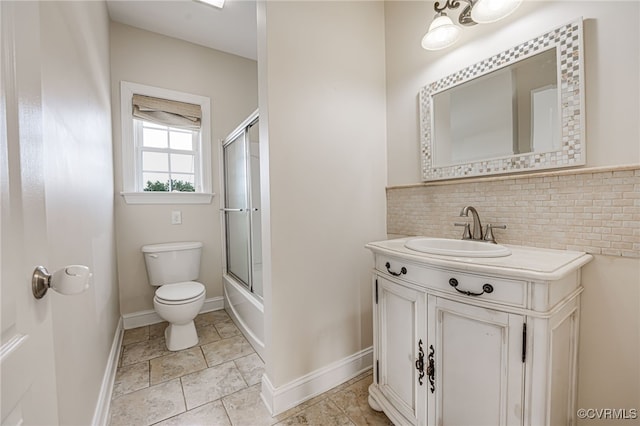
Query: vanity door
(400, 316)
(478, 374)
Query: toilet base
(179, 337)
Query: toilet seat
(179, 293)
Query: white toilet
(172, 267)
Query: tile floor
(216, 383)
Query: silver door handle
(232, 210)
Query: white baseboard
(142, 318)
(101, 413)
(306, 387)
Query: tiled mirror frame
(567, 40)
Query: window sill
(167, 197)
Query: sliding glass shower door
(242, 205)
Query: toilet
(173, 267)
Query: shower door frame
(243, 128)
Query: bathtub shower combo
(241, 217)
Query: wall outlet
(176, 217)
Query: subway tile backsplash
(591, 210)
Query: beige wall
(611, 40)
(79, 196)
(609, 371)
(322, 93)
(230, 82)
(609, 353)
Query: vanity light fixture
(487, 11)
(216, 3)
(443, 32)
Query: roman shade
(167, 113)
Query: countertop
(524, 262)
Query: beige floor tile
(220, 315)
(210, 318)
(144, 351)
(226, 350)
(211, 414)
(324, 413)
(131, 378)
(177, 364)
(204, 319)
(353, 402)
(135, 335)
(149, 405)
(245, 407)
(251, 367)
(227, 329)
(207, 334)
(301, 407)
(120, 357)
(227, 393)
(211, 384)
(157, 330)
(367, 374)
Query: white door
(401, 325)
(478, 365)
(26, 343)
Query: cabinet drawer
(473, 286)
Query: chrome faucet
(476, 233)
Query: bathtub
(246, 310)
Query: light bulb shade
(216, 3)
(486, 11)
(442, 33)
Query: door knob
(72, 279)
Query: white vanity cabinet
(400, 330)
(470, 341)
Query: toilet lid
(180, 291)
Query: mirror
(515, 111)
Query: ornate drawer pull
(431, 370)
(403, 270)
(487, 288)
(420, 362)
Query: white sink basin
(460, 248)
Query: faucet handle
(488, 233)
(466, 235)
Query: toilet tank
(169, 263)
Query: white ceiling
(231, 29)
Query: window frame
(139, 126)
(131, 162)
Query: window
(166, 146)
(168, 157)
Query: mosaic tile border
(567, 39)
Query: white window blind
(167, 112)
